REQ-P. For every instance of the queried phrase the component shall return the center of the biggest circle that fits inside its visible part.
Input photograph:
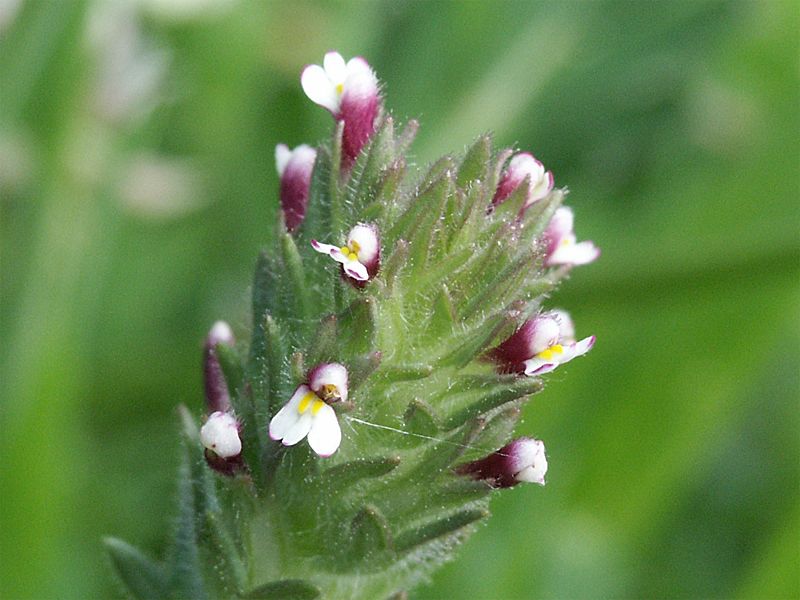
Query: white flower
(563, 350)
(220, 434)
(529, 462)
(326, 85)
(308, 413)
(562, 248)
(360, 256)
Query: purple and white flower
(360, 256)
(540, 345)
(349, 90)
(522, 460)
(561, 247)
(522, 167)
(294, 168)
(309, 414)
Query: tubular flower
(360, 256)
(561, 248)
(523, 460)
(540, 345)
(522, 166)
(349, 90)
(308, 412)
(294, 169)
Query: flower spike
(523, 460)
(561, 248)
(522, 166)
(294, 169)
(309, 414)
(360, 256)
(349, 90)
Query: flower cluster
(350, 91)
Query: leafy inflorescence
(386, 509)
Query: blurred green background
(137, 183)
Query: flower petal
(325, 435)
(335, 67)
(287, 416)
(329, 374)
(537, 366)
(355, 270)
(282, 156)
(319, 88)
(333, 251)
(366, 236)
(299, 429)
(220, 434)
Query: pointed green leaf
(371, 538)
(523, 386)
(232, 568)
(419, 419)
(145, 579)
(406, 372)
(398, 260)
(441, 528)
(357, 327)
(476, 162)
(473, 342)
(325, 342)
(339, 478)
(305, 305)
(231, 363)
(285, 589)
(185, 575)
(405, 139)
(422, 235)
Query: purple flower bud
(522, 166)
(294, 168)
(216, 388)
(560, 245)
(523, 460)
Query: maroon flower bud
(216, 388)
(523, 460)
(294, 168)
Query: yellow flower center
(310, 400)
(339, 88)
(351, 252)
(550, 352)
